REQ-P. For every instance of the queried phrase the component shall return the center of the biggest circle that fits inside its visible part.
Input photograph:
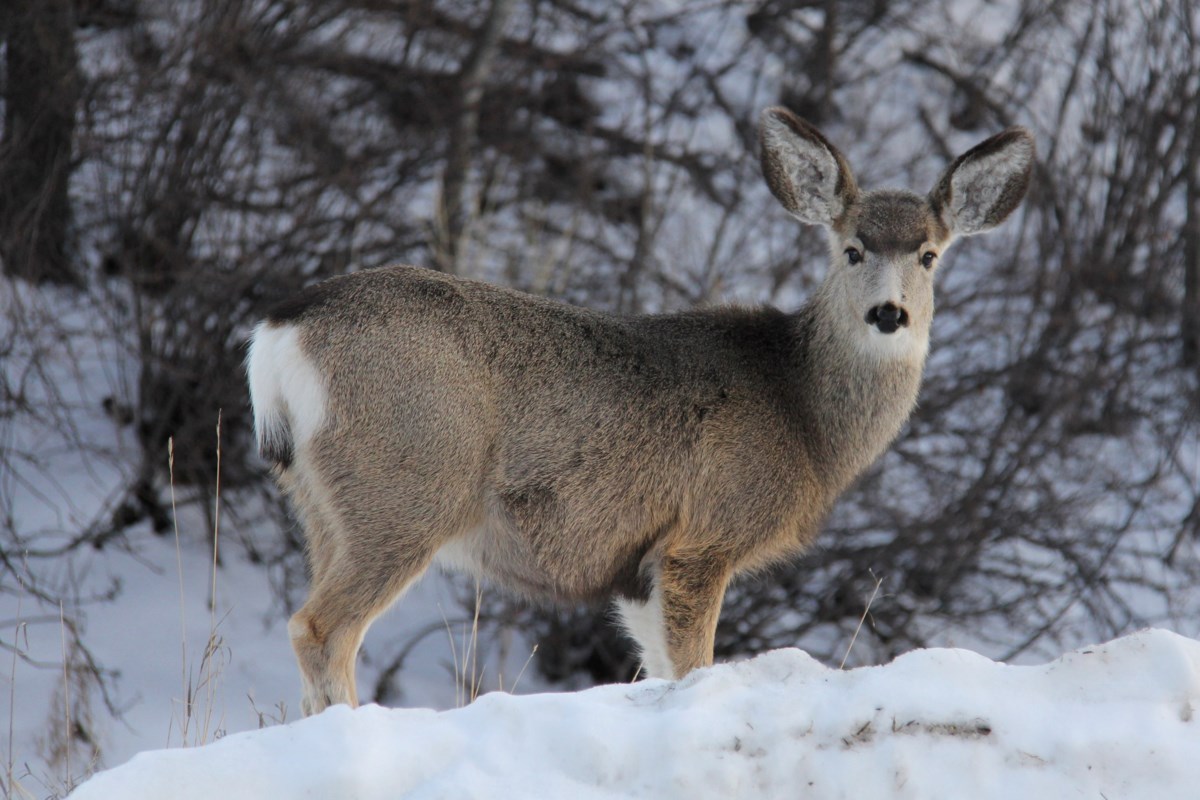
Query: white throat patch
(904, 344)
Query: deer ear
(805, 172)
(985, 184)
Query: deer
(569, 455)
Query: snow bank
(1117, 720)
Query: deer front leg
(691, 589)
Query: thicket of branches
(180, 165)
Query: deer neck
(859, 387)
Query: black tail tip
(275, 442)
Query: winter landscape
(1006, 603)
(1110, 721)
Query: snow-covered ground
(1119, 720)
(153, 636)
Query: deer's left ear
(985, 184)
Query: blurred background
(170, 169)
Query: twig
(862, 619)
(66, 696)
(12, 693)
(210, 650)
(517, 680)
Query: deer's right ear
(805, 172)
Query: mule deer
(568, 454)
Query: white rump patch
(285, 385)
(645, 623)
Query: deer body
(569, 454)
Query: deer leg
(691, 589)
(328, 630)
(643, 621)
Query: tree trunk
(1190, 321)
(453, 214)
(40, 99)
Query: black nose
(887, 317)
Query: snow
(1117, 720)
(142, 631)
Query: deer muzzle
(888, 317)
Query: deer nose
(887, 317)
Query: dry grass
(469, 673)
(69, 721)
(468, 677)
(196, 720)
(862, 619)
(9, 786)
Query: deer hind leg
(326, 633)
(359, 567)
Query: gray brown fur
(569, 454)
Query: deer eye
(928, 259)
(853, 255)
